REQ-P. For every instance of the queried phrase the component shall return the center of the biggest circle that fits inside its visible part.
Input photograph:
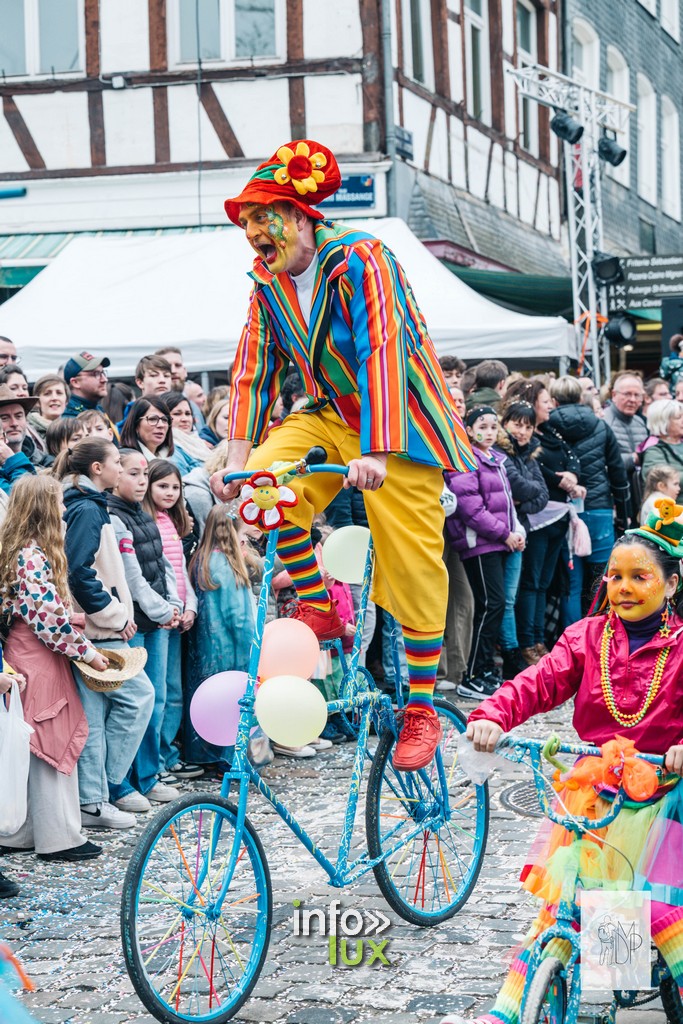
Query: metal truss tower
(599, 113)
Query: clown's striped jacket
(366, 352)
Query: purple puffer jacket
(485, 514)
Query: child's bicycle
(552, 991)
(197, 897)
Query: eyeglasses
(154, 421)
(94, 373)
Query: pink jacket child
(572, 669)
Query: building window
(647, 140)
(477, 58)
(670, 16)
(671, 155)
(417, 32)
(41, 37)
(226, 30)
(647, 237)
(527, 53)
(618, 85)
(585, 54)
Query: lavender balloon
(214, 710)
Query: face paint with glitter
(635, 585)
(272, 233)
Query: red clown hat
(302, 172)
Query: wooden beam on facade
(21, 133)
(496, 57)
(295, 52)
(98, 150)
(219, 121)
(373, 107)
(442, 81)
(158, 61)
(98, 154)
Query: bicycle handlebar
(534, 749)
(312, 462)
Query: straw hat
(123, 664)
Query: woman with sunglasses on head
(147, 427)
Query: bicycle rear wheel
(427, 878)
(188, 959)
(546, 1002)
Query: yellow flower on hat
(301, 167)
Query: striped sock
(296, 551)
(422, 655)
(667, 935)
(509, 1000)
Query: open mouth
(267, 251)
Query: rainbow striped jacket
(366, 352)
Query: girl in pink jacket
(623, 666)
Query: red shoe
(325, 625)
(418, 739)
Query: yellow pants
(404, 515)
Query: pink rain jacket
(572, 669)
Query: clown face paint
(635, 585)
(273, 235)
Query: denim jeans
(512, 573)
(145, 767)
(117, 720)
(539, 561)
(600, 523)
(391, 628)
(173, 712)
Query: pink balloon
(214, 710)
(289, 648)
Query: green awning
(528, 293)
(655, 315)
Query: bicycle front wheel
(546, 1002)
(190, 956)
(426, 875)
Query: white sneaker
(445, 685)
(293, 751)
(106, 816)
(320, 744)
(162, 794)
(455, 1018)
(135, 802)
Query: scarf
(191, 444)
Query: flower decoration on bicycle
(617, 766)
(263, 501)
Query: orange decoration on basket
(618, 766)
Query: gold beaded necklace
(626, 720)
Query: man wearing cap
(334, 302)
(13, 462)
(86, 375)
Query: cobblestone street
(65, 924)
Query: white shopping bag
(615, 940)
(14, 763)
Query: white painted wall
(478, 146)
(241, 101)
(455, 62)
(128, 126)
(458, 158)
(124, 36)
(186, 118)
(332, 29)
(508, 18)
(334, 112)
(58, 123)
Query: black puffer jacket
(529, 489)
(556, 457)
(602, 468)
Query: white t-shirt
(304, 286)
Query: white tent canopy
(126, 297)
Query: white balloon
(345, 552)
(290, 710)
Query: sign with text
(647, 280)
(356, 190)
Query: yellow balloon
(290, 710)
(345, 552)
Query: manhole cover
(521, 798)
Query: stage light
(607, 269)
(610, 150)
(620, 330)
(566, 127)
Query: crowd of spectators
(149, 559)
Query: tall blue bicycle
(552, 991)
(197, 898)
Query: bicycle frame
(567, 915)
(341, 872)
